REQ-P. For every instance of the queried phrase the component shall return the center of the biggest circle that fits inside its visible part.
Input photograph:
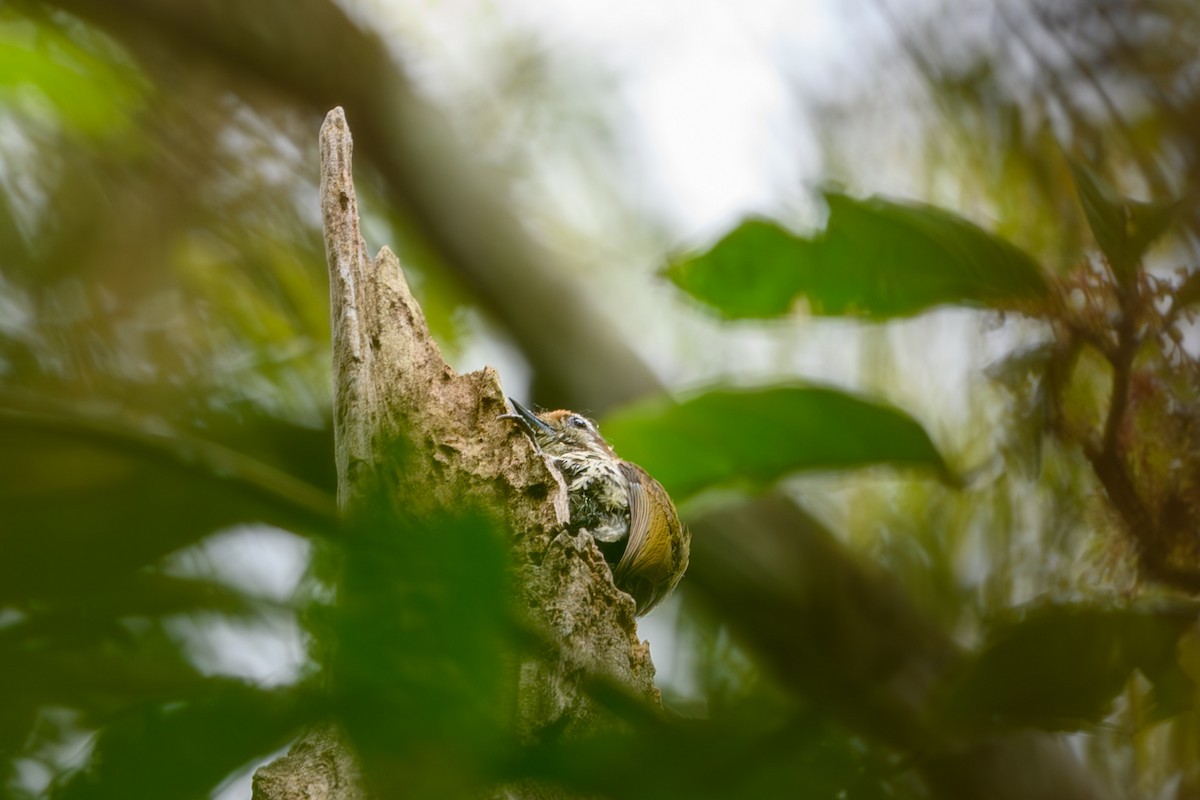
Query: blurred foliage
(739, 756)
(181, 747)
(84, 78)
(877, 259)
(1062, 667)
(163, 361)
(715, 438)
(1123, 228)
(420, 650)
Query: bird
(627, 512)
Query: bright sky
(705, 90)
(713, 123)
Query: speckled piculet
(627, 512)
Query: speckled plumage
(618, 503)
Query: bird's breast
(598, 493)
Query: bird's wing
(646, 565)
(639, 519)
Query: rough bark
(392, 385)
(318, 767)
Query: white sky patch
(267, 651)
(712, 125)
(267, 563)
(674, 665)
(486, 345)
(241, 785)
(708, 112)
(258, 560)
(701, 120)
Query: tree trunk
(392, 384)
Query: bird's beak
(529, 418)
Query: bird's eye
(578, 422)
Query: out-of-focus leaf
(303, 452)
(72, 486)
(152, 594)
(90, 93)
(1060, 667)
(1015, 368)
(1188, 293)
(96, 670)
(756, 436)
(756, 270)
(425, 689)
(185, 747)
(81, 650)
(876, 259)
(719, 758)
(783, 586)
(1123, 228)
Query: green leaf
(1123, 228)
(757, 270)
(876, 259)
(92, 669)
(184, 747)
(72, 484)
(755, 436)
(770, 754)
(1059, 668)
(430, 685)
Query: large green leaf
(88, 500)
(876, 259)
(431, 685)
(1060, 667)
(1123, 228)
(756, 270)
(755, 436)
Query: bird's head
(562, 431)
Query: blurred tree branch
(311, 51)
(837, 630)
